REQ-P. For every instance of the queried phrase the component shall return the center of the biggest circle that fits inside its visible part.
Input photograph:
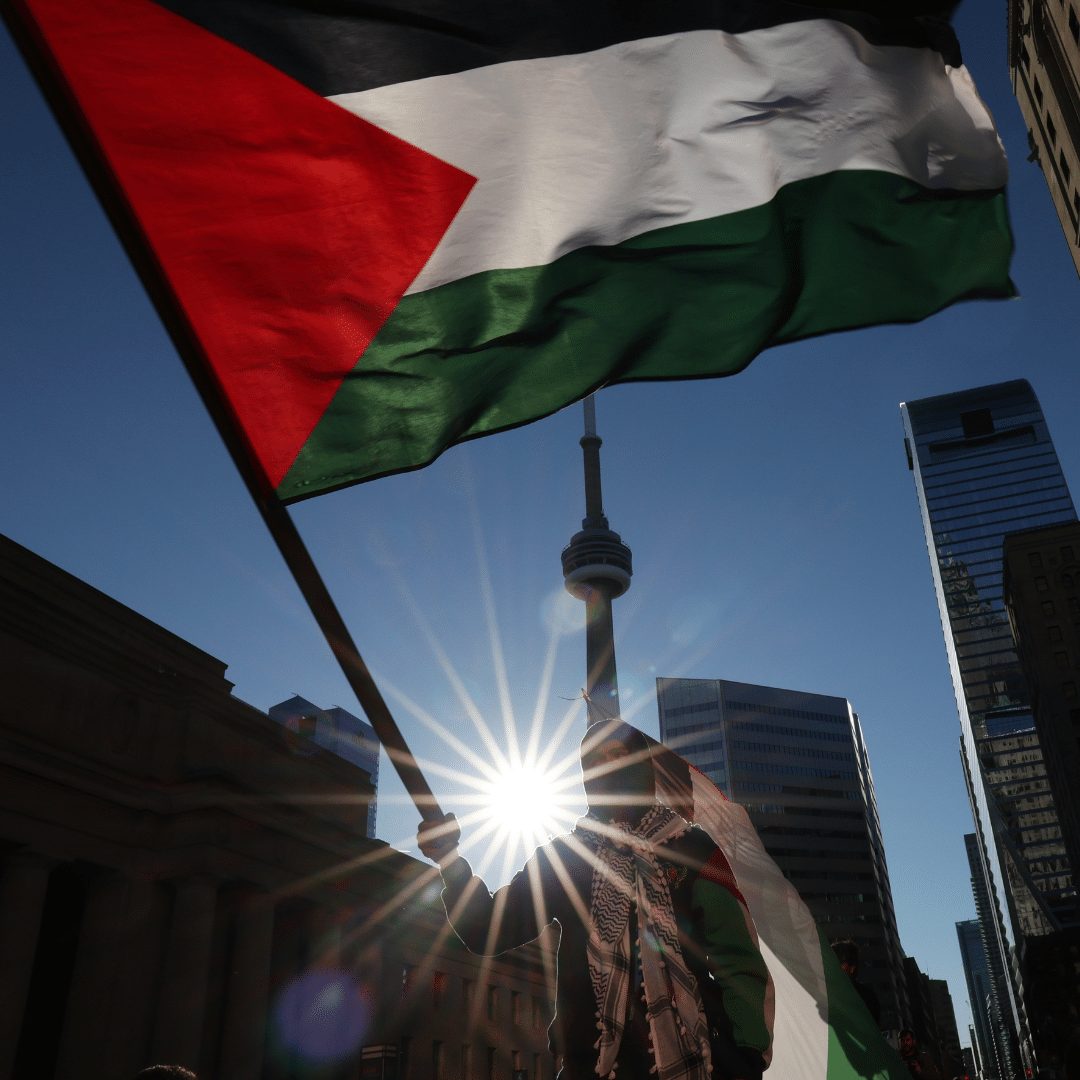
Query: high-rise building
(1044, 61)
(798, 763)
(970, 1056)
(985, 466)
(1042, 596)
(1001, 1004)
(945, 1020)
(980, 997)
(339, 732)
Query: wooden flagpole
(81, 138)
(309, 581)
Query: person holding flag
(648, 904)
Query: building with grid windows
(798, 763)
(985, 466)
(980, 997)
(1044, 62)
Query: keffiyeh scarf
(628, 871)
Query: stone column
(89, 999)
(22, 896)
(247, 995)
(130, 1025)
(182, 1004)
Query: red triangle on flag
(287, 228)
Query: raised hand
(438, 840)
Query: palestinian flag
(378, 229)
(822, 1030)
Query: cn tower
(597, 568)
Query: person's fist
(438, 840)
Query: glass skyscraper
(798, 763)
(339, 732)
(977, 976)
(985, 466)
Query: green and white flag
(822, 1030)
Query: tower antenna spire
(597, 567)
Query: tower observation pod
(597, 567)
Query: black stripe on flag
(345, 46)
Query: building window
(1074, 716)
(1054, 632)
(436, 1060)
(1025, 57)
(1074, 605)
(438, 989)
(403, 1056)
(466, 1061)
(491, 1063)
(1067, 555)
(1040, 584)
(1038, 92)
(1064, 166)
(493, 1002)
(466, 995)
(1069, 689)
(1076, 204)
(1061, 659)
(1074, 26)
(518, 1062)
(537, 1014)
(407, 974)
(1035, 559)
(1048, 608)
(977, 423)
(517, 1007)
(536, 1067)
(1067, 580)
(1051, 130)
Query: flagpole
(313, 588)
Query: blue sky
(773, 520)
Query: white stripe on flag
(599, 147)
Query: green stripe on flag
(857, 1050)
(499, 349)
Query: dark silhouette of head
(166, 1072)
(847, 952)
(616, 764)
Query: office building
(932, 1018)
(340, 732)
(1042, 596)
(798, 763)
(980, 998)
(984, 466)
(945, 1020)
(179, 882)
(1041, 588)
(970, 1055)
(1044, 62)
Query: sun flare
(524, 801)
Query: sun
(524, 800)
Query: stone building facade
(182, 883)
